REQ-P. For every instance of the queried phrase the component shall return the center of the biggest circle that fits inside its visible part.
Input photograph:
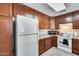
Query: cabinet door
(19, 9)
(29, 11)
(44, 20)
(6, 9)
(47, 22)
(75, 46)
(40, 19)
(57, 22)
(5, 36)
(68, 18)
(54, 41)
(76, 20)
(47, 43)
(41, 46)
(52, 23)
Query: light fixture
(57, 6)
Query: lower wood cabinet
(53, 41)
(47, 43)
(75, 46)
(41, 46)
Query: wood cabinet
(19, 9)
(44, 20)
(5, 9)
(68, 18)
(29, 11)
(52, 23)
(47, 43)
(76, 20)
(41, 46)
(5, 36)
(62, 19)
(57, 22)
(75, 46)
(53, 41)
(38, 16)
(47, 23)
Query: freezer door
(27, 45)
(26, 25)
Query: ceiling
(44, 8)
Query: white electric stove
(65, 41)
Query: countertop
(75, 37)
(46, 36)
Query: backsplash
(76, 32)
(44, 31)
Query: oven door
(65, 42)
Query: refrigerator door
(26, 25)
(27, 45)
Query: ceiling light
(57, 6)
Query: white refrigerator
(26, 36)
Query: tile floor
(57, 52)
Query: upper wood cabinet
(47, 22)
(5, 9)
(76, 20)
(29, 11)
(39, 17)
(44, 20)
(19, 9)
(68, 18)
(52, 23)
(62, 19)
(5, 36)
(57, 22)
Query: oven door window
(65, 42)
